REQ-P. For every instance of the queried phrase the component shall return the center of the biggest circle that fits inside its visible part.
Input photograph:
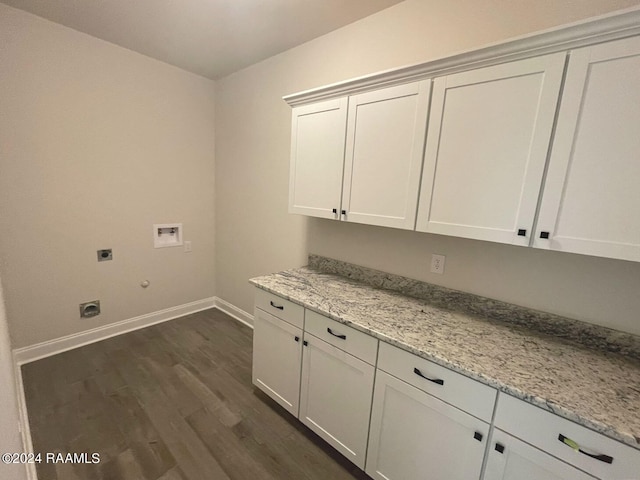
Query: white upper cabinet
(540, 150)
(489, 134)
(385, 141)
(317, 157)
(591, 199)
(363, 166)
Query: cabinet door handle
(343, 337)
(478, 436)
(434, 380)
(334, 210)
(522, 232)
(305, 343)
(296, 338)
(499, 448)
(576, 447)
(344, 212)
(544, 235)
(279, 307)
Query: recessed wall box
(167, 235)
(90, 309)
(105, 255)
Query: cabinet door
(591, 199)
(335, 399)
(416, 436)
(487, 144)
(317, 158)
(277, 356)
(385, 141)
(512, 459)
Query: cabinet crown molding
(612, 26)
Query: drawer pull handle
(343, 337)
(296, 338)
(279, 307)
(434, 380)
(576, 447)
(478, 436)
(499, 448)
(305, 343)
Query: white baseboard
(69, 342)
(235, 312)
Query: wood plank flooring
(170, 402)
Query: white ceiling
(212, 38)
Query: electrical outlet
(437, 264)
(187, 246)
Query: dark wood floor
(174, 402)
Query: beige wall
(10, 440)
(97, 143)
(255, 235)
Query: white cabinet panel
(416, 436)
(591, 200)
(317, 158)
(283, 309)
(574, 444)
(511, 459)
(487, 144)
(335, 398)
(277, 353)
(385, 141)
(358, 344)
(456, 389)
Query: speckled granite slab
(596, 388)
(592, 336)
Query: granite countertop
(590, 384)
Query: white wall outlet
(437, 264)
(187, 246)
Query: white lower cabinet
(335, 397)
(512, 459)
(584, 449)
(277, 353)
(414, 435)
(422, 420)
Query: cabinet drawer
(284, 309)
(451, 387)
(352, 341)
(546, 431)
